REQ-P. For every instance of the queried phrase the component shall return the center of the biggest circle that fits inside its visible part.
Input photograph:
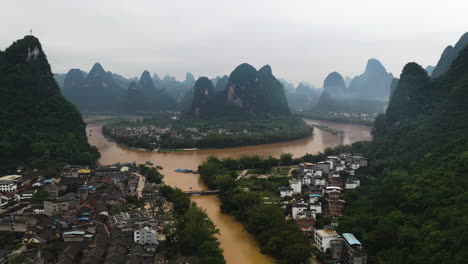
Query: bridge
(213, 192)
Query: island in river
(238, 245)
(169, 132)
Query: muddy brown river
(238, 245)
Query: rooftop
(74, 233)
(352, 240)
(327, 233)
(10, 178)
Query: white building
(323, 239)
(318, 173)
(296, 186)
(352, 183)
(9, 183)
(298, 209)
(319, 181)
(307, 179)
(354, 166)
(313, 198)
(285, 191)
(317, 207)
(333, 189)
(145, 235)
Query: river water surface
(238, 245)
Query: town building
(296, 186)
(352, 183)
(285, 191)
(298, 208)
(145, 235)
(353, 252)
(323, 239)
(9, 183)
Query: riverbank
(339, 118)
(238, 245)
(260, 215)
(176, 135)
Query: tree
(39, 197)
(286, 159)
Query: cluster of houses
(359, 116)
(85, 216)
(157, 133)
(316, 193)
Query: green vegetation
(40, 129)
(152, 174)
(194, 235)
(10, 240)
(213, 133)
(39, 197)
(412, 208)
(277, 237)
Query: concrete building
(9, 183)
(296, 186)
(145, 235)
(298, 208)
(323, 239)
(285, 191)
(352, 183)
(353, 252)
(61, 204)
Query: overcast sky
(301, 40)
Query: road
(140, 185)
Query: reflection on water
(238, 245)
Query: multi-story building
(145, 235)
(323, 239)
(9, 183)
(296, 186)
(353, 252)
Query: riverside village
(117, 214)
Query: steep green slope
(40, 128)
(448, 56)
(414, 207)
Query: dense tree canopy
(277, 237)
(413, 205)
(40, 128)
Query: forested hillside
(414, 205)
(40, 128)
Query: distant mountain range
(106, 92)
(102, 91)
(368, 92)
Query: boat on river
(185, 171)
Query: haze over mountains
(102, 91)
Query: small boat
(159, 167)
(149, 163)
